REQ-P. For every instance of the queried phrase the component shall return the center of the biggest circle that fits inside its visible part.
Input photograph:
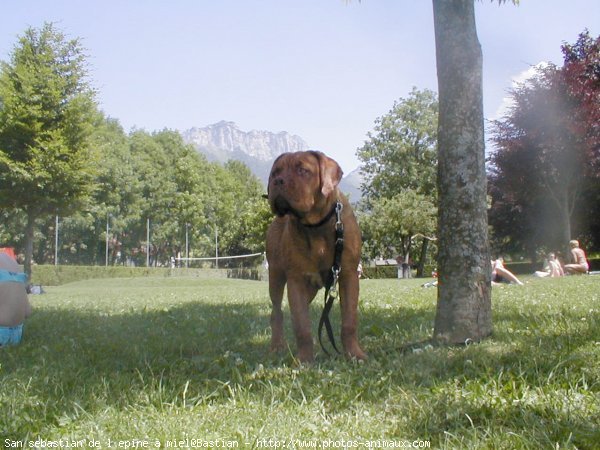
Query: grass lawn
(184, 362)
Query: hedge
(48, 275)
(392, 272)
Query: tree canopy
(400, 154)
(47, 110)
(543, 173)
(60, 156)
(400, 165)
(156, 177)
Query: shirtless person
(551, 269)
(14, 304)
(580, 264)
(501, 273)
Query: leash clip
(339, 207)
(333, 292)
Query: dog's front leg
(299, 298)
(349, 288)
(276, 286)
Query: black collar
(325, 219)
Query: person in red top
(580, 264)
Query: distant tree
(194, 178)
(399, 162)
(581, 71)
(401, 154)
(117, 199)
(156, 176)
(246, 230)
(12, 226)
(180, 190)
(171, 185)
(46, 114)
(252, 227)
(546, 163)
(581, 74)
(549, 157)
(394, 223)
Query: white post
(106, 257)
(148, 242)
(216, 247)
(56, 242)
(187, 245)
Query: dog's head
(303, 184)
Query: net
(249, 261)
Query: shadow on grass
(197, 353)
(198, 334)
(137, 340)
(79, 360)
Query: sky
(324, 70)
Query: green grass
(163, 359)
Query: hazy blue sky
(321, 69)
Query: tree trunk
(29, 231)
(464, 291)
(421, 267)
(564, 220)
(406, 257)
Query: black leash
(331, 292)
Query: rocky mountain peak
(224, 140)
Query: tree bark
(564, 220)
(464, 291)
(421, 268)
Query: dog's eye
(302, 171)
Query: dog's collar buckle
(336, 210)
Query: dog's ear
(331, 173)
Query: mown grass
(163, 359)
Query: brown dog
(300, 247)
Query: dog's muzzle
(281, 206)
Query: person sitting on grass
(502, 274)
(580, 264)
(14, 304)
(552, 268)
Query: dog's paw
(305, 356)
(355, 352)
(278, 347)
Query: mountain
(257, 149)
(350, 185)
(224, 140)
